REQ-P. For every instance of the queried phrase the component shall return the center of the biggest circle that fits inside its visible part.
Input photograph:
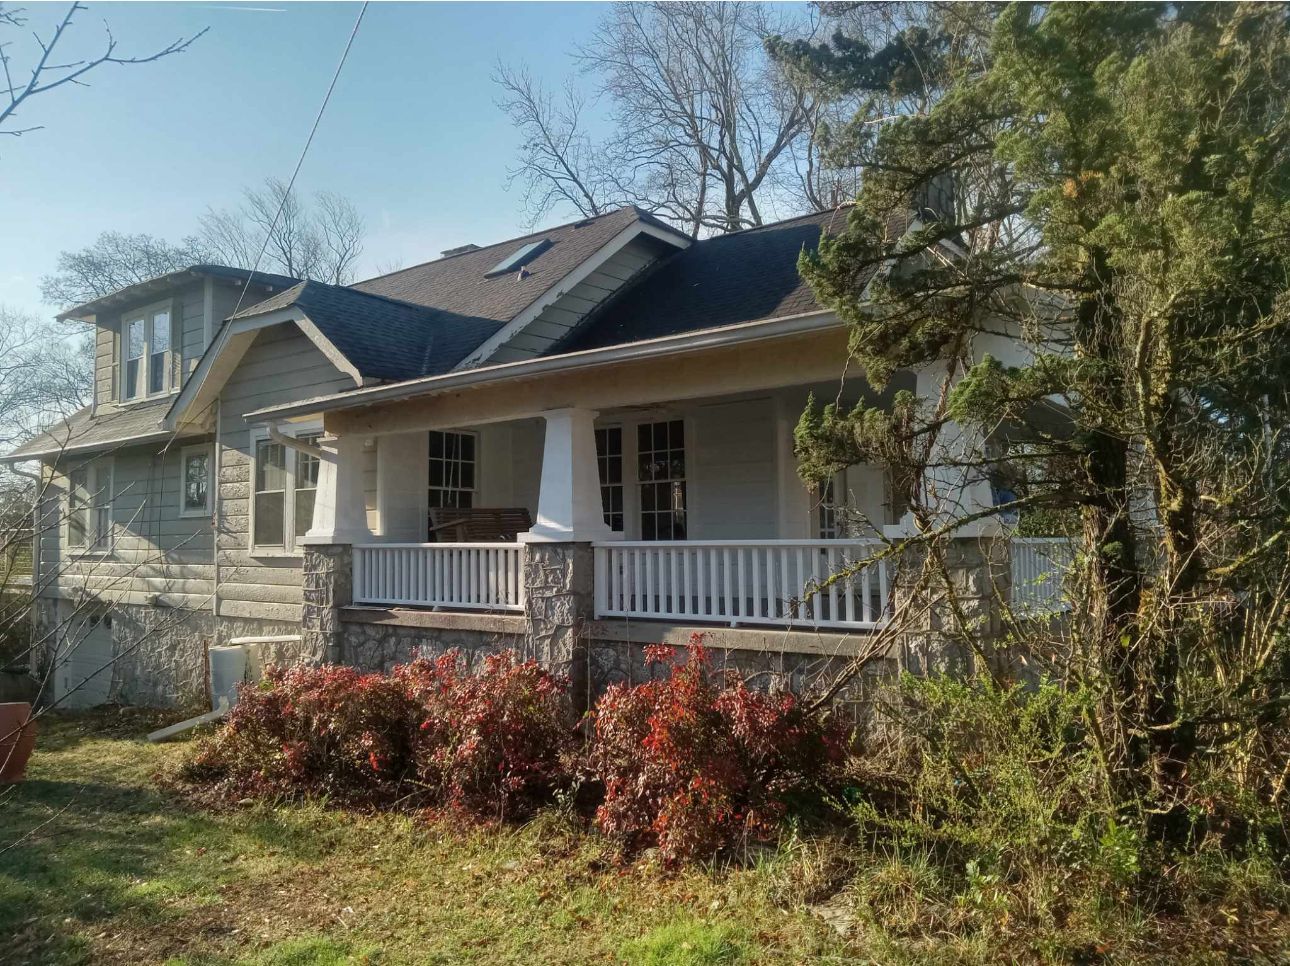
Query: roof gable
(744, 276)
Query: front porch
(692, 512)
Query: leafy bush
(430, 733)
(692, 766)
(497, 741)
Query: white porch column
(955, 485)
(569, 509)
(340, 515)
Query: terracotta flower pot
(17, 739)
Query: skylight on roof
(519, 258)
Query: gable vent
(519, 258)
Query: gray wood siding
(156, 556)
(281, 365)
(187, 335)
(563, 315)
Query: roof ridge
(783, 221)
(506, 241)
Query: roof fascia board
(196, 384)
(561, 288)
(461, 378)
(76, 450)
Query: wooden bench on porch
(478, 524)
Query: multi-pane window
(306, 485)
(660, 460)
(609, 461)
(452, 469)
(145, 354)
(89, 506)
(195, 481)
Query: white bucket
(228, 670)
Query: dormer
(149, 336)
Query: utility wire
(303, 152)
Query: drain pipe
(215, 514)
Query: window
(306, 485)
(270, 494)
(135, 345)
(89, 507)
(452, 469)
(195, 481)
(827, 522)
(609, 461)
(286, 483)
(660, 455)
(159, 353)
(145, 354)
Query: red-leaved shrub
(327, 730)
(693, 766)
(492, 743)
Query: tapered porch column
(559, 568)
(569, 509)
(340, 520)
(340, 513)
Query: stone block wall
(328, 586)
(560, 586)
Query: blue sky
(412, 134)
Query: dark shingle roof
(384, 338)
(123, 296)
(423, 320)
(458, 284)
(84, 430)
(745, 276)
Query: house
(315, 468)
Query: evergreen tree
(1120, 205)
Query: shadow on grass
(91, 845)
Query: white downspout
(215, 514)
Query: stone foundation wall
(380, 646)
(160, 652)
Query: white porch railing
(1039, 568)
(473, 576)
(742, 582)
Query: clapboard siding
(281, 365)
(558, 319)
(153, 549)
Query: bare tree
(114, 261)
(322, 241)
(559, 164)
(45, 376)
(53, 68)
(703, 123)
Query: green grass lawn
(102, 865)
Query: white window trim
(100, 466)
(288, 547)
(473, 490)
(145, 314)
(207, 450)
